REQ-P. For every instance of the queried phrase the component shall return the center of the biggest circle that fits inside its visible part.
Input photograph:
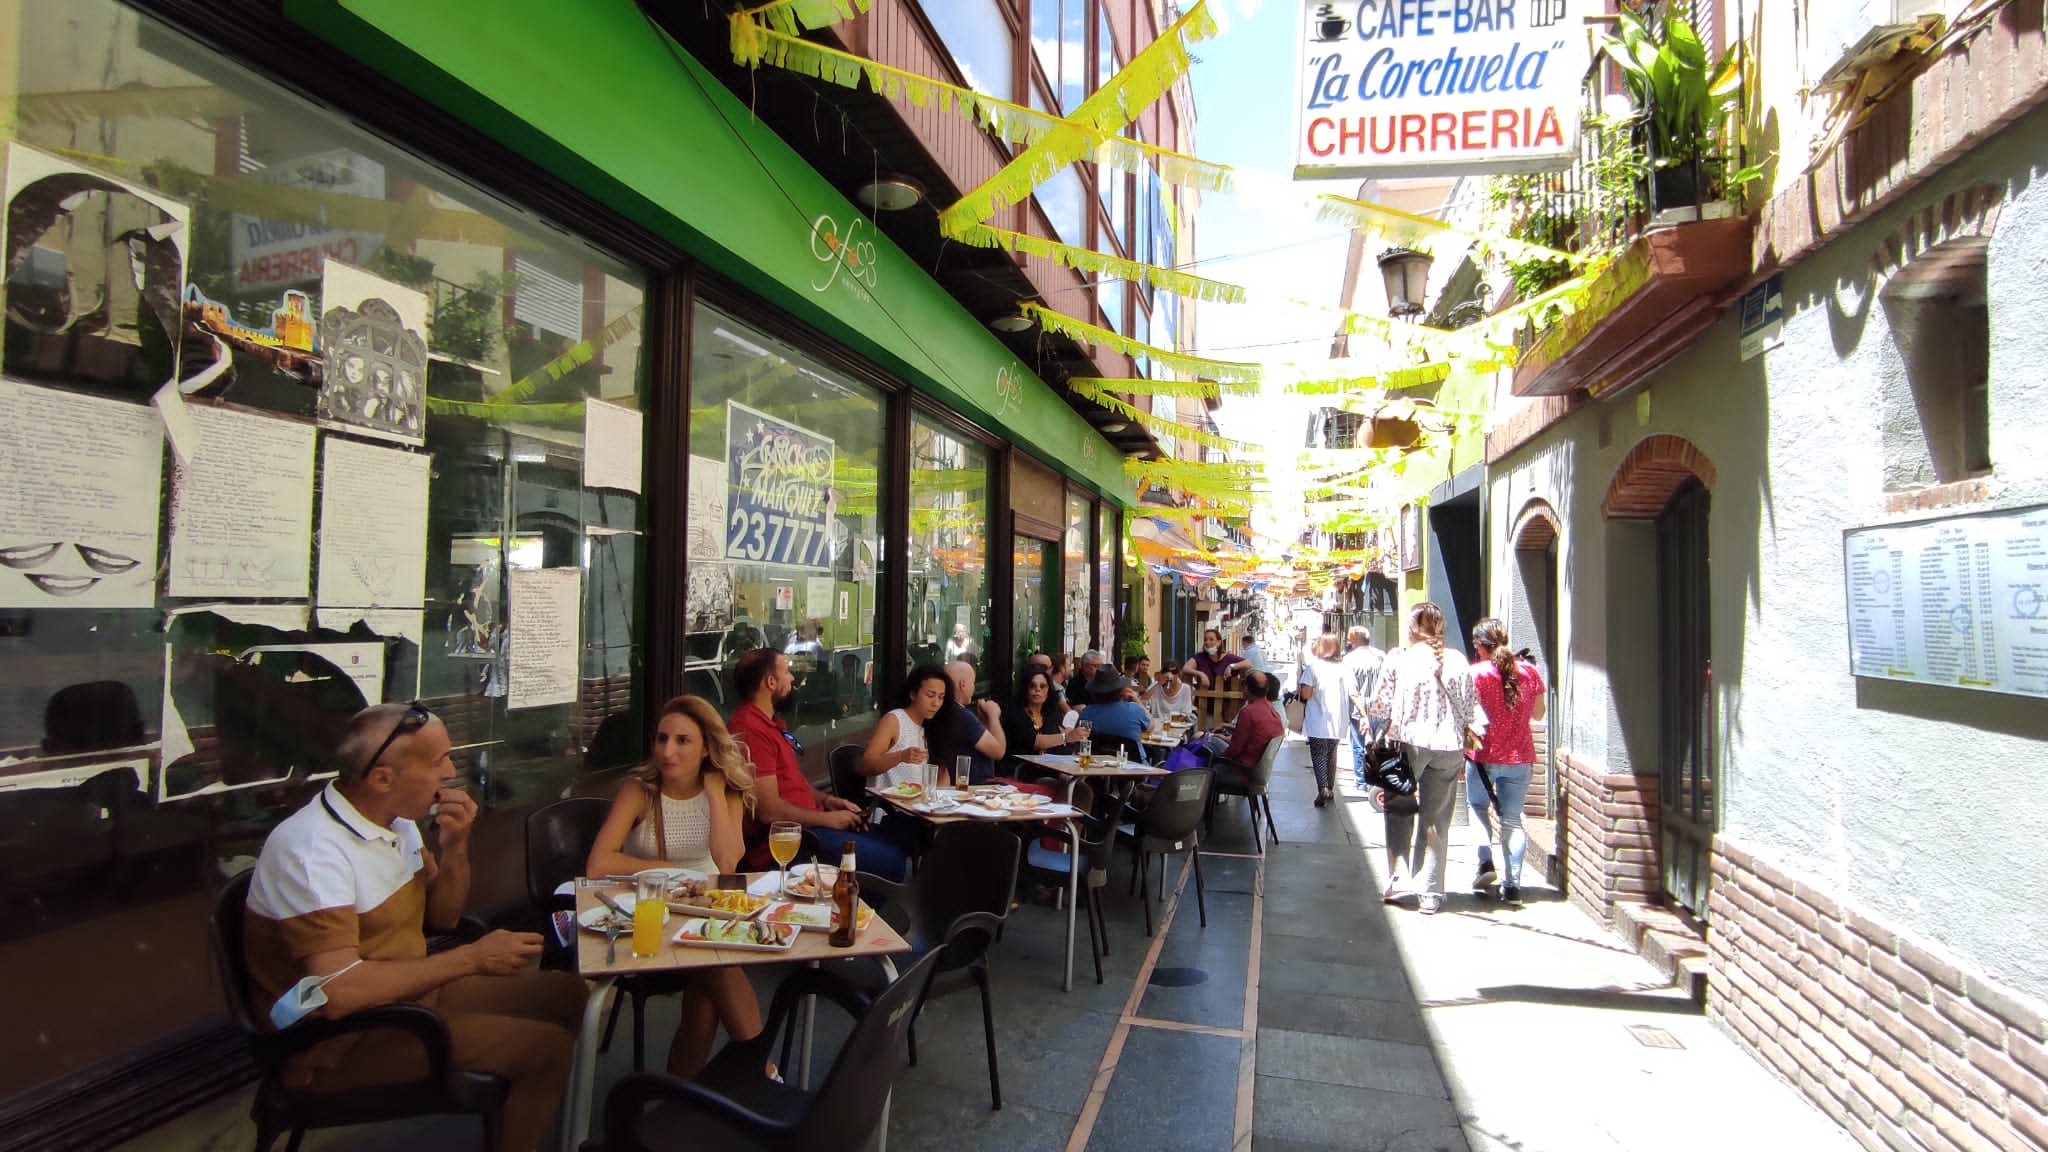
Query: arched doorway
(1532, 622)
(1665, 481)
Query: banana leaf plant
(1687, 99)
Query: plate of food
(718, 903)
(745, 935)
(1102, 762)
(599, 918)
(984, 792)
(813, 880)
(903, 790)
(1019, 802)
(817, 917)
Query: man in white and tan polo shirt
(345, 886)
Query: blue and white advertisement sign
(1439, 87)
(779, 491)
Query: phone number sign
(779, 491)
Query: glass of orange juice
(649, 909)
(785, 838)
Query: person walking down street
(1361, 676)
(683, 808)
(1326, 710)
(1510, 690)
(344, 892)
(1425, 694)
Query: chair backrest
(1177, 807)
(847, 1109)
(970, 867)
(558, 839)
(224, 936)
(847, 782)
(1132, 749)
(1262, 772)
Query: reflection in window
(1065, 203)
(1074, 77)
(475, 339)
(1079, 598)
(785, 523)
(1035, 599)
(1110, 295)
(949, 596)
(977, 33)
(1045, 38)
(1105, 578)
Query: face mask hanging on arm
(303, 999)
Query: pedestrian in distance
(1511, 693)
(1426, 695)
(1361, 676)
(1326, 710)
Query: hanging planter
(1396, 426)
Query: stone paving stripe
(1248, 1056)
(1352, 1061)
(1084, 1125)
(1182, 1026)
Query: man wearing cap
(345, 890)
(1116, 712)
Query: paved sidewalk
(1484, 1027)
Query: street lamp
(1407, 275)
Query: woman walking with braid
(1511, 693)
(1425, 693)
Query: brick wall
(1611, 828)
(1903, 1045)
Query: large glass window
(1065, 201)
(1074, 72)
(978, 34)
(1045, 38)
(378, 487)
(1077, 586)
(1110, 294)
(1105, 579)
(949, 592)
(785, 522)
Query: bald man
(346, 889)
(977, 728)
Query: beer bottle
(846, 901)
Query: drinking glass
(1083, 748)
(785, 837)
(650, 893)
(963, 769)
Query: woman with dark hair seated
(1032, 723)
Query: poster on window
(779, 494)
(373, 334)
(80, 478)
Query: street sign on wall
(1438, 87)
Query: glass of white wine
(785, 837)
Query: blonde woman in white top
(682, 809)
(1426, 696)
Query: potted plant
(1685, 101)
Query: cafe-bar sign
(1438, 87)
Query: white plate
(691, 934)
(592, 918)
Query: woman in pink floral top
(1511, 694)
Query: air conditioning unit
(1851, 35)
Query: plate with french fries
(720, 904)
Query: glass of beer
(785, 837)
(650, 894)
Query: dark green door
(1688, 800)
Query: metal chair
(1098, 842)
(1171, 823)
(1251, 785)
(281, 1108)
(734, 1106)
(970, 868)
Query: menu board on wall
(778, 491)
(1961, 602)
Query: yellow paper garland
(1102, 264)
(1232, 371)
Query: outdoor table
(1167, 736)
(1067, 817)
(877, 940)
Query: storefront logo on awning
(845, 253)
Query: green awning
(596, 94)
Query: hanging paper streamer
(1230, 371)
(567, 414)
(1102, 264)
(1146, 78)
(788, 15)
(1430, 236)
(1395, 378)
(1160, 425)
(1195, 389)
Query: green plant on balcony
(1591, 210)
(1689, 106)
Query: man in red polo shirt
(763, 683)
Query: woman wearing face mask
(682, 809)
(1511, 691)
(899, 747)
(1209, 667)
(1425, 693)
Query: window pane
(1110, 294)
(1141, 331)
(1045, 38)
(784, 458)
(1105, 571)
(949, 593)
(366, 535)
(977, 33)
(1066, 205)
(1074, 77)
(1079, 601)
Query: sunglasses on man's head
(415, 718)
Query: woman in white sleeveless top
(896, 751)
(681, 809)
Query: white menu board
(1961, 602)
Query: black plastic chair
(1171, 823)
(1249, 781)
(733, 1106)
(1133, 750)
(969, 868)
(846, 779)
(1098, 842)
(280, 1108)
